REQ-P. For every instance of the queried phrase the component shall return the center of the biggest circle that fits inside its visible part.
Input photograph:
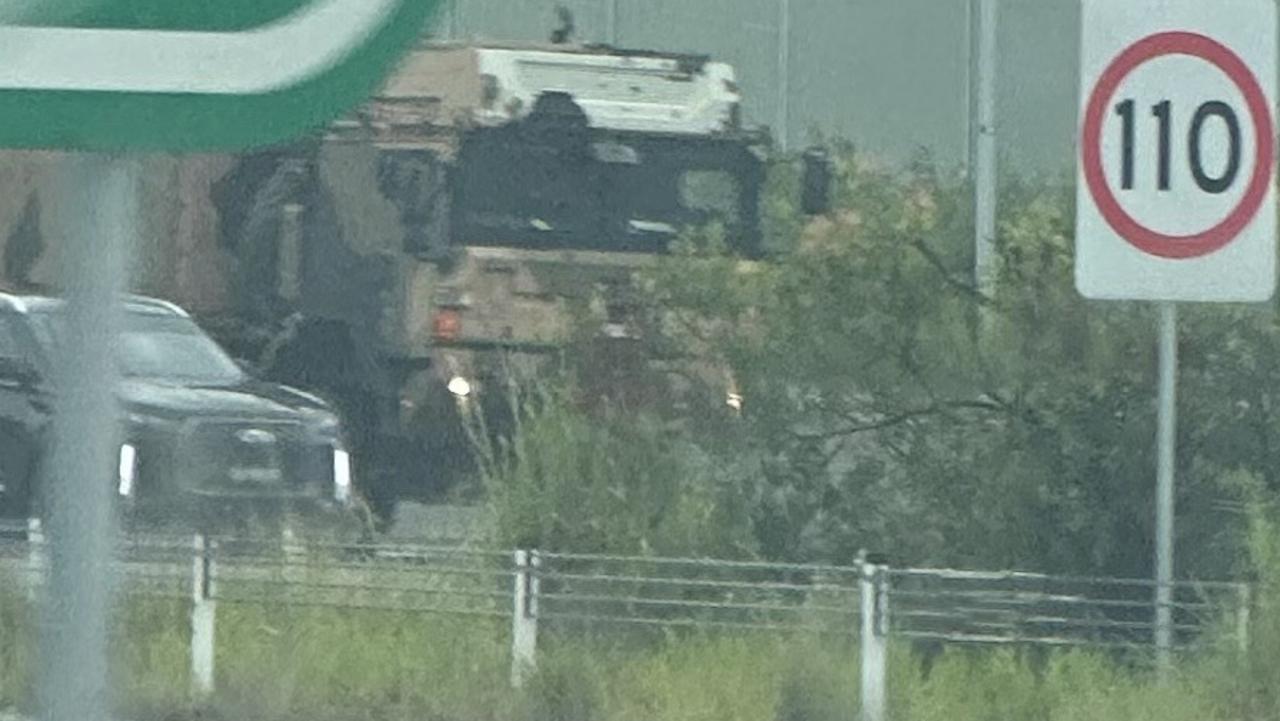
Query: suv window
(159, 346)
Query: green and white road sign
(192, 75)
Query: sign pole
(78, 501)
(1166, 448)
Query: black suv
(203, 441)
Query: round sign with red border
(1141, 236)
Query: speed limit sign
(1176, 196)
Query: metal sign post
(99, 224)
(1175, 195)
(1166, 447)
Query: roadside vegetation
(282, 663)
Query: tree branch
(934, 260)
(859, 426)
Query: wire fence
(1001, 608)
(577, 590)
(563, 593)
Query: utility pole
(967, 141)
(983, 124)
(611, 22)
(451, 22)
(784, 73)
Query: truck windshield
(630, 194)
(157, 346)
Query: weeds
(283, 662)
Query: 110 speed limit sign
(1176, 196)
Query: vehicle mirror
(816, 182)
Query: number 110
(1163, 112)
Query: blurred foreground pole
(97, 221)
(1166, 448)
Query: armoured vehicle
(405, 260)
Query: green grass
(287, 663)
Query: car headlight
(128, 470)
(460, 387)
(341, 475)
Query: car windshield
(158, 346)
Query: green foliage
(17, 662)
(607, 482)
(566, 687)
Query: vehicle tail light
(447, 325)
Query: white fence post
(524, 617)
(294, 555)
(203, 614)
(36, 562)
(874, 639)
(1242, 618)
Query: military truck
(408, 259)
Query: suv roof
(134, 303)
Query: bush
(570, 480)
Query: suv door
(23, 415)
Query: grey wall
(891, 75)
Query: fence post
(1242, 618)
(874, 640)
(36, 550)
(524, 617)
(203, 614)
(294, 554)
